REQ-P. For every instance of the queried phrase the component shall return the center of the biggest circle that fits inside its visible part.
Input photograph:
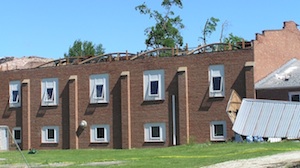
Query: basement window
(50, 134)
(99, 133)
(17, 134)
(218, 131)
(155, 132)
(294, 96)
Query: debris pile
(12, 63)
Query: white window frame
(152, 76)
(49, 83)
(14, 86)
(294, 93)
(99, 79)
(214, 72)
(214, 137)
(13, 131)
(45, 138)
(148, 132)
(93, 134)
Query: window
(154, 85)
(218, 131)
(99, 134)
(49, 92)
(216, 81)
(50, 134)
(155, 132)
(294, 96)
(14, 94)
(99, 88)
(17, 134)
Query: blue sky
(47, 28)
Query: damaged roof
(268, 118)
(287, 76)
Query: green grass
(195, 155)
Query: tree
(209, 27)
(85, 48)
(165, 33)
(233, 39)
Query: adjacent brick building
(149, 102)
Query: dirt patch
(282, 160)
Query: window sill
(100, 142)
(154, 141)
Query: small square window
(50, 134)
(218, 131)
(99, 133)
(155, 132)
(17, 134)
(294, 96)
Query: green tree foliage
(165, 33)
(233, 39)
(85, 48)
(209, 27)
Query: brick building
(149, 102)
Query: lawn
(193, 155)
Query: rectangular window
(50, 134)
(99, 88)
(49, 92)
(294, 96)
(216, 81)
(99, 91)
(14, 94)
(218, 131)
(155, 132)
(154, 85)
(17, 134)
(99, 133)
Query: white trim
(45, 138)
(99, 79)
(214, 137)
(151, 76)
(14, 86)
(93, 134)
(148, 132)
(49, 83)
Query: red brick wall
(273, 48)
(202, 109)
